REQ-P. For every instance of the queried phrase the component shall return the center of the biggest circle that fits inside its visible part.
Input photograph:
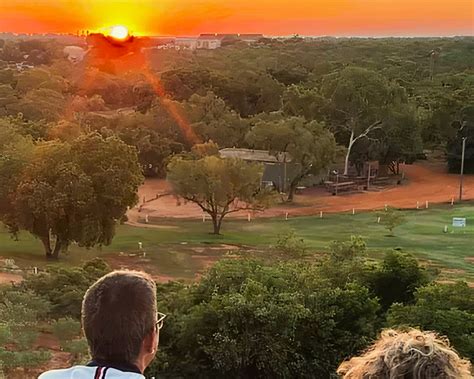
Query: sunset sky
(271, 17)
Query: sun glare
(119, 32)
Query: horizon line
(239, 33)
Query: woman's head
(408, 354)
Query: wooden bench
(381, 180)
(335, 188)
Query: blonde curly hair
(410, 354)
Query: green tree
(300, 101)
(290, 245)
(66, 329)
(357, 103)
(15, 153)
(246, 319)
(401, 141)
(20, 315)
(391, 218)
(64, 288)
(40, 104)
(74, 192)
(346, 263)
(201, 150)
(445, 308)
(397, 279)
(78, 348)
(213, 120)
(218, 186)
(308, 146)
(11, 52)
(465, 126)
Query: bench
(381, 180)
(300, 189)
(335, 188)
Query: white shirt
(86, 372)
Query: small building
(186, 43)
(74, 54)
(208, 41)
(278, 169)
(251, 38)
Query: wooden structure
(338, 187)
(337, 183)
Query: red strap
(97, 373)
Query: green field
(179, 250)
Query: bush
(66, 329)
(78, 348)
(390, 219)
(65, 287)
(397, 279)
(445, 308)
(23, 359)
(248, 319)
(5, 334)
(291, 245)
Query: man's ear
(149, 343)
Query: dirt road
(426, 181)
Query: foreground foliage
(288, 314)
(251, 319)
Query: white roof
(255, 155)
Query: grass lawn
(179, 250)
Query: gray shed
(278, 168)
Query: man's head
(410, 354)
(120, 320)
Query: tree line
(384, 99)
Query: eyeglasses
(160, 317)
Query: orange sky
(271, 17)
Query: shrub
(248, 319)
(291, 245)
(445, 308)
(78, 348)
(66, 329)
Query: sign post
(459, 222)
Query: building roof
(251, 35)
(254, 155)
(209, 37)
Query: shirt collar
(125, 367)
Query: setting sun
(119, 32)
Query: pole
(368, 177)
(462, 167)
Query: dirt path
(8, 278)
(426, 181)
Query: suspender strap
(105, 372)
(98, 371)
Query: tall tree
(308, 145)
(213, 120)
(15, 153)
(218, 186)
(401, 140)
(74, 192)
(357, 103)
(465, 129)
